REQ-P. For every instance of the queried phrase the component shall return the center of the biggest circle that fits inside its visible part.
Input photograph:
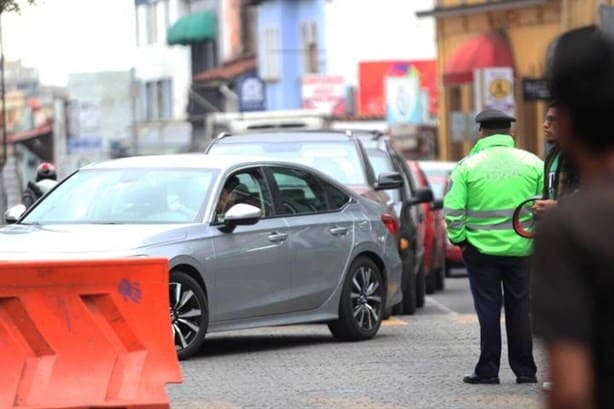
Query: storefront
(511, 34)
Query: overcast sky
(63, 36)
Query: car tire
(361, 307)
(430, 281)
(440, 276)
(420, 287)
(408, 303)
(189, 311)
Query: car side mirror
(241, 214)
(14, 213)
(389, 180)
(421, 195)
(437, 204)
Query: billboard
(372, 77)
(324, 93)
(403, 100)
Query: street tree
(13, 5)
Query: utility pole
(4, 116)
(3, 96)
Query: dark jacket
(566, 179)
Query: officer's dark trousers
(497, 281)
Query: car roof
(188, 161)
(434, 164)
(296, 136)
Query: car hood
(49, 241)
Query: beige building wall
(530, 31)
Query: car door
(321, 230)
(251, 264)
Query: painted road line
(393, 322)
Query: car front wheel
(189, 314)
(362, 302)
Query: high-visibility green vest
(486, 187)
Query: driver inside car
(227, 199)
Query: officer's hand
(542, 206)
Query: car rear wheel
(362, 302)
(420, 287)
(189, 314)
(431, 281)
(440, 276)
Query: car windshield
(339, 160)
(381, 163)
(126, 196)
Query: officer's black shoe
(476, 379)
(526, 379)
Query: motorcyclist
(46, 179)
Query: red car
(438, 175)
(435, 236)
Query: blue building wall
(288, 15)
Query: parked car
(384, 158)
(342, 156)
(438, 174)
(250, 243)
(436, 234)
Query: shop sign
(324, 93)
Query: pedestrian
(573, 283)
(46, 179)
(485, 188)
(560, 175)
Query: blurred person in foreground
(46, 179)
(573, 284)
(485, 188)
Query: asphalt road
(415, 362)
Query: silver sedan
(250, 243)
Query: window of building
(271, 67)
(151, 23)
(248, 29)
(204, 56)
(309, 47)
(157, 100)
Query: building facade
(162, 78)
(291, 44)
(512, 34)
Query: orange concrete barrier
(84, 334)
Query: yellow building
(478, 34)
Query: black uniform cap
(494, 119)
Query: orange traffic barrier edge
(93, 333)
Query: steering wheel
(525, 228)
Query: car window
(336, 198)
(246, 186)
(339, 160)
(126, 196)
(299, 191)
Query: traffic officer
(486, 187)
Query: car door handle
(338, 231)
(277, 237)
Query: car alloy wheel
(366, 298)
(189, 313)
(362, 302)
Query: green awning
(193, 28)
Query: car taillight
(390, 223)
